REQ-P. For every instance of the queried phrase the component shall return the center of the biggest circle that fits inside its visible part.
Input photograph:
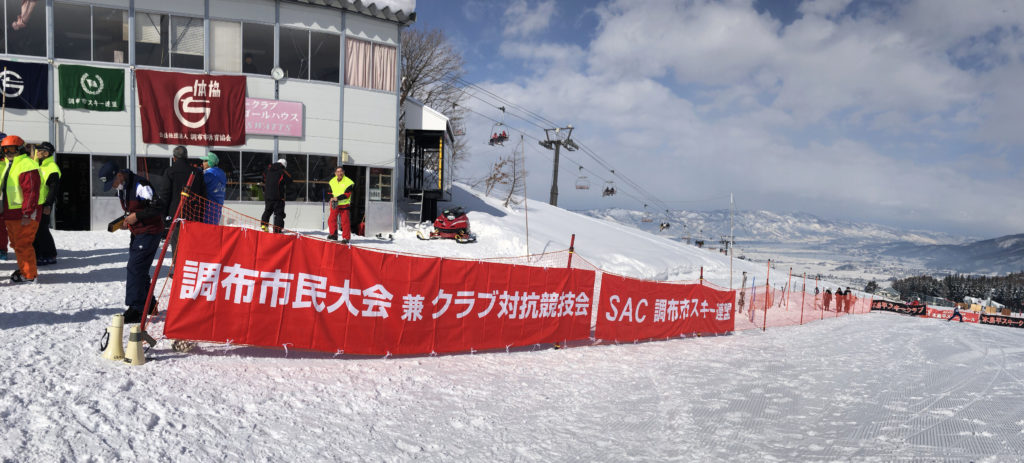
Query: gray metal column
(132, 104)
(49, 72)
(341, 104)
(277, 50)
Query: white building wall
(370, 127)
(309, 17)
(367, 28)
(261, 11)
(183, 7)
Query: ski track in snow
(873, 387)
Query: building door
(72, 207)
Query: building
(335, 60)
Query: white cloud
(523, 19)
(845, 112)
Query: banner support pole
(802, 295)
(572, 249)
(767, 291)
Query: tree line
(1007, 289)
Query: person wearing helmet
(3, 228)
(19, 186)
(46, 250)
(216, 186)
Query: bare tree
(506, 172)
(431, 71)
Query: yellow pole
(440, 161)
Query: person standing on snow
(275, 179)
(46, 250)
(144, 211)
(174, 181)
(827, 298)
(956, 313)
(216, 184)
(341, 199)
(19, 188)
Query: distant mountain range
(844, 243)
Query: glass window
(26, 28)
(229, 164)
(325, 58)
(380, 184)
(151, 39)
(297, 168)
(294, 53)
(358, 62)
(226, 46)
(187, 39)
(71, 38)
(257, 48)
(97, 163)
(110, 35)
(150, 167)
(321, 169)
(253, 167)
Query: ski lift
(609, 188)
(647, 216)
(582, 182)
(498, 135)
(663, 226)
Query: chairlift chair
(498, 135)
(582, 182)
(609, 187)
(647, 216)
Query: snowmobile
(452, 224)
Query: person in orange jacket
(19, 187)
(827, 298)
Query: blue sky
(905, 113)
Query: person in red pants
(341, 200)
(19, 186)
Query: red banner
(248, 287)
(633, 310)
(944, 314)
(191, 109)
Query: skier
(828, 299)
(956, 313)
(275, 179)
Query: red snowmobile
(452, 224)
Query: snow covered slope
(875, 387)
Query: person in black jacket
(144, 209)
(173, 183)
(49, 175)
(275, 179)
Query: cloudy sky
(907, 113)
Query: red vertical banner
(633, 310)
(271, 290)
(191, 109)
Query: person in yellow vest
(49, 176)
(20, 188)
(341, 200)
(3, 228)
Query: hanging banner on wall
(276, 290)
(24, 85)
(634, 310)
(191, 109)
(273, 117)
(92, 88)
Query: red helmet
(12, 140)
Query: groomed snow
(873, 387)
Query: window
(370, 65)
(150, 167)
(229, 164)
(294, 50)
(187, 42)
(253, 166)
(297, 168)
(71, 36)
(226, 46)
(257, 48)
(162, 40)
(109, 35)
(380, 184)
(321, 169)
(324, 60)
(26, 28)
(97, 163)
(151, 39)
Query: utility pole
(557, 138)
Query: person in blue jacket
(216, 184)
(956, 313)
